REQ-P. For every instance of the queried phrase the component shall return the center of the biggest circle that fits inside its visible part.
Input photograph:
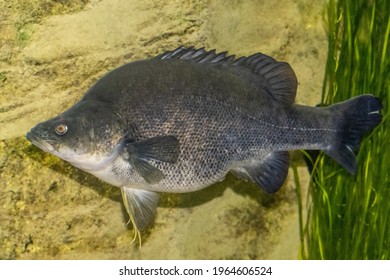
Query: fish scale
(181, 121)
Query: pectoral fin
(159, 148)
(269, 172)
(141, 206)
(151, 174)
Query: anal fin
(141, 206)
(269, 172)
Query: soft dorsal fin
(279, 76)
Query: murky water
(50, 55)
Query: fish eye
(61, 129)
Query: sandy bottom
(49, 56)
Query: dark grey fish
(182, 120)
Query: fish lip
(39, 142)
(31, 137)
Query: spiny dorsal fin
(198, 55)
(279, 76)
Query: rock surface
(51, 210)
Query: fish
(182, 120)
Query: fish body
(182, 120)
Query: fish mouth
(39, 142)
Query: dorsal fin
(279, 76)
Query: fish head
(86, 135)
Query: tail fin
(359, 115)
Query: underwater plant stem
(300, 211)
(349, 215)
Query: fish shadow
(193, 199)
(167, 200)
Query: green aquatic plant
(23, 35)
(349, 215)
(3, 76)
